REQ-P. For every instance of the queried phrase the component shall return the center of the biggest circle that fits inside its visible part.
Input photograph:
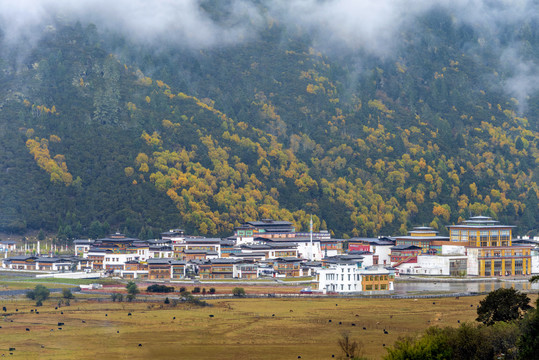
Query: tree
(132, 290)
(39, 294)
(502, 305)
(529, 338)
(350, 348)
(67, 294)
(237, 291)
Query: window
(472, 236)
(483, 236)
(454, 235)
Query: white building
(345, 275)
(448, 265)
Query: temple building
(490, 249)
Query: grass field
(239, 329)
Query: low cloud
(369, 27)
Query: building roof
(479, 222)
(269, 223)
(383, 241)
(51, 260)
(83, 241)
(405, 247)
(253, 254)
(288, 259)
(21, 257)
(344, 259)
(225, 261)
(8, 242)
(173, 232)
(202, 240)
(420, 238)
(164, 261)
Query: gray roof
(405, 247)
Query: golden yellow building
(489, 248)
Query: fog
(373, 27)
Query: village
(479, 247)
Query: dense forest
(99, 132)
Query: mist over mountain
(372, 116)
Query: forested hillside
(99, 132)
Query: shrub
(212, 290)
(66, 294)
(167, 301)
(196, 290)
(39, 294)
(237, 291)
(160, 288)
(132, 290)
(183, 289)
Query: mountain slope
(271, 127)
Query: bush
(196, 290)
(39, 294)
(502, 305)
(132, 290)
(237, 291)
(212, 290)
(160, 288)
(167, 301)
(183, 289)
(66, 294)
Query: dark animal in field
(364, 328)
(128, 314)
(60, 324)
(27, 329)
(139, 344)
(385, 332)
(4, 308)
(211, 315)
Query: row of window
(376, 287)
(483, 235)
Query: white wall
(535, 262)
(383, 252)
(453, 250)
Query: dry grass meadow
(239, 328)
